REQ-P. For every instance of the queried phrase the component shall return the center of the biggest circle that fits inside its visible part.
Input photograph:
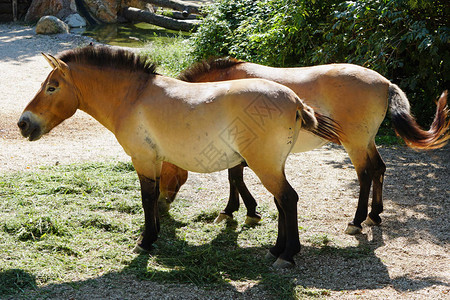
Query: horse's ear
(49, 60)
(56, 63)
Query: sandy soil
(409, 254)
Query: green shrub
(407, 41)
(170, 55)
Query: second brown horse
(355, 97)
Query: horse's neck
(103, 93)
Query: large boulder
(104, 10)
(75, 21)
(107, 10)
(51, 25)
(141, 4)
(57, 8)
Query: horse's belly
(209, 158)
(307, 141)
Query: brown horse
(355, 97)
(201, 127)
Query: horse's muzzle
(29, 127)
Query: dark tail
(407, 128)
(327, 128)
(320, 125)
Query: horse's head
(55, 101)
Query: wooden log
(180, 16)
(185, 8)
(134, 14)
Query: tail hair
(407, 128)
(327, 128)
(320, 125)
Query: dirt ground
(410, 253)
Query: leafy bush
(405, 40)
(171, 55)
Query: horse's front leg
(237, 186)
(150, 194)
(171, 180)
(233, 199)
(237, 179)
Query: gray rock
(51, 25)
(75, 21)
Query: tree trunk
(186, 9)
(14, 10)
(134, 14)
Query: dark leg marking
(365, 181)
(233, 200)
(237, 186)
(280, 244)
(288, 242)
(377, 197)
(150, 193)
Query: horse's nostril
(22, 125)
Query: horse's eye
(51, 89)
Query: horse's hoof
(163, 206)
(222, 217)
(370, 222)
(139, 250)
(270, 257)
(252, 220)
(283, 264)
(352, 229)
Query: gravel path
(408, 256)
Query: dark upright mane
(206, 66)
(108, 57)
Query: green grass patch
(320, 240)
(65, 225)
(302, 293)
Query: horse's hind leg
(361, 161)
(370, 168)
(288, 242)
(379, 167)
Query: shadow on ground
(21, 44)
